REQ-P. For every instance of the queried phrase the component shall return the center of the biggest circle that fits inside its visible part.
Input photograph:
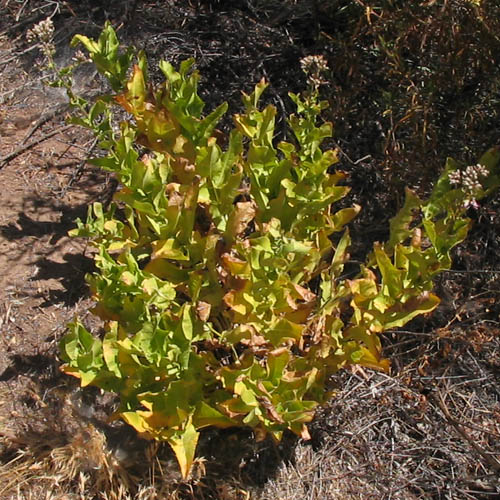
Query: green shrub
(220, 263)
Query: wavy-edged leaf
(400, 224)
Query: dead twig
(458, 426)
(79, 170)
(18, 54)
(44, 119)
(21, 149)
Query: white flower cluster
(43, 31)
(470, 181)
(314, 67)
(80, 58)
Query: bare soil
(430, 430)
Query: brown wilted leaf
(243, 214)
(270, 409)
(292, 304)
(304, 433)
(233, 300)
(304, 293)
(255, 341)
(203, 310)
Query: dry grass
(431, 430)
(82, 468)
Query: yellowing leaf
(235, 266)
(183, 443)
(137, 421)
(71, 370)
(168, 249)
(206, 416)
(133, 100)
(398, 315)
(150, 286)
(344, 216)
(371, 361)
(284, 330)
(128, 278)
(187, 322)
(235, 300)
(87, 377)
(166, 270)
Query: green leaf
(110, 350)
(276, 364)
(187, 322)
(297, 247)
(438, 202)
(400, 225)
(491, 160)
(392, 278)
(251, 101)
(341, 255)
(207, 125)
(166, 270)
(168, 249)
(284, 330)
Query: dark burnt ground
(410, 84)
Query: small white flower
(455, 178)
(314, 67)
(43, 31)
(468, 203)
(470, 181)
(313, 64)
(80, 57)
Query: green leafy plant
(220, 263)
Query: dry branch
(25, 147)
(458, 426)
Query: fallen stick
(490, 459)
(18, 54)
(21, 149)
(44, 119)
(78, 171)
